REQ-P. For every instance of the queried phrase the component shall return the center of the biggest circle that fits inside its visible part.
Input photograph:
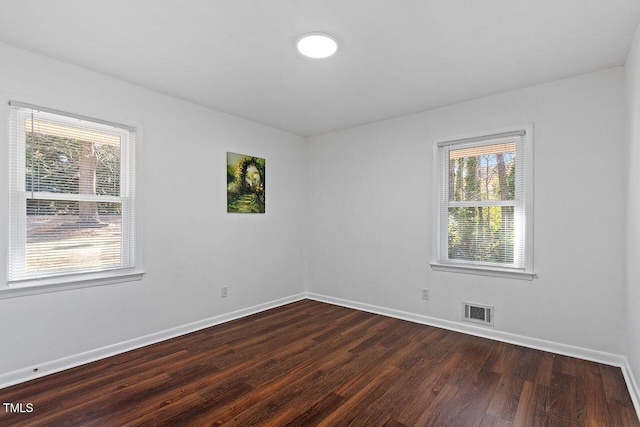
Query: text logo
(19, 408)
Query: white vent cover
(477, 313)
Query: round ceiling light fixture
(317, 45)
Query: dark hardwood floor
(310, 363)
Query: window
(484, 204)
(71, 197)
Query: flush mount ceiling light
(317, 45)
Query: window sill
(65, 283)
(483, 271)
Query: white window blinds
(71, 194)
(482, 215)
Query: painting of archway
(245, 183)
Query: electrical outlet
(425, 293)
(224, 291)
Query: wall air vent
(476, 313)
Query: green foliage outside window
(53, 165)
(481, 233)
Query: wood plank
(514, 368)
(531, 407)
(620, 405)
(318, 411)
(593, 409)
(562, 408)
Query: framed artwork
(245, 183)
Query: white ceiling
(396, 56)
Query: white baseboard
(632, 385)
(50, 367)
(538, 344)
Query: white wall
(372, 213)
(632, 338)
(191, 245)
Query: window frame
(129, 270)
(441, 261)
